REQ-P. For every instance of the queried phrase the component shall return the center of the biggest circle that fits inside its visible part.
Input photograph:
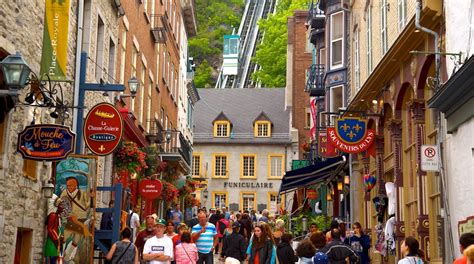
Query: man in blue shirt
(204, 235)
(176, 216)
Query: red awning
(132, 132)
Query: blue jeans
(206, 258)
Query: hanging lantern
(339, 186)
(347, 180)
(311, 194)
(329, 197)
(369, 181)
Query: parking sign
(429, 158)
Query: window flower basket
(129, 158)
(169, 192)
(306, 146)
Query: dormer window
(263, 129)
(221, 129)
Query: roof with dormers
(241, 107)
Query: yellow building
(390, 85)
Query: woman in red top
(222, 225)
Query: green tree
(215, 18)
(271, 52)
(202, 76)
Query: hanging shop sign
(351, 135)
(55, 39)
(150, 189)
(326, 149)
(466, 225)
(46, 142)
(311, 194)
(103, 129)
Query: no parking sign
(429, 158)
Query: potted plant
(129, 159)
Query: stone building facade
(241, 159)
(22, 206)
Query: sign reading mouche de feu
(350, 135)
(103, 129)
(46, 142)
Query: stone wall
(22, 205)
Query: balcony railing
(316, 17)
(315, 84)
(176, 143)
(156, 132)
(159, 27)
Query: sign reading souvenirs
(351, 135)
(46, 142)
(150, 189)
(257, 185)
(103, 129)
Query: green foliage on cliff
(271, 53)
(215, 18)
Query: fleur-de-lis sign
(345, 127)
(351, 134)
(357, 128)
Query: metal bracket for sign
(83, 87)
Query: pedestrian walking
(133, 222)
(261, 247)
(469, 253)
(145, 234)
(305, 252)
(222, 225)
(285, 252)
(123, 251)
(159, 248)
(410, 249)
(204, 235)
(359, 242)
(186, 252)
(234, 245)
(279, 231)
(337, 251)
(312, 229)
(170, 229)
(318, 239)
(466, 240)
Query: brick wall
(301, 62)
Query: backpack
(320, 258)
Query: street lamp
(48, 188)
(133, 86)
(15, 71)
(43, 93)
(168, 137)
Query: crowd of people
(245, 237)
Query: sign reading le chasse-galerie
(350, 135)
(103, 129)
(46, 142)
